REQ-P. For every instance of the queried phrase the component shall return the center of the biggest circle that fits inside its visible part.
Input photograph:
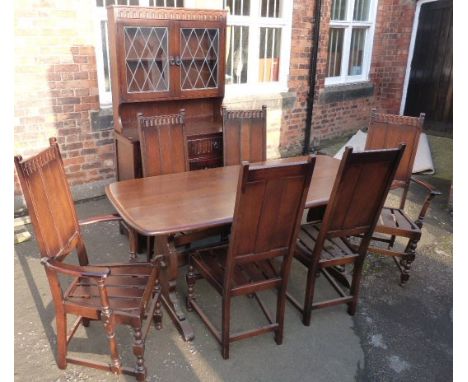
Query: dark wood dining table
(164, 205)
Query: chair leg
(190, 278)
(225, 329)
(138, 351)
(150, 248)
(132, 241)
(61, 322)
(158, 311)
(116, 364)
(280, 307)
(354, 290)
(309, 295)
(406, 260)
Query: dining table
(165, 205)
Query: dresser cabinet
(163, 60)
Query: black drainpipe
(312, 74)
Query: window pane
(335, 49)
(99, 3)
(238, 7)
(356, 53)
(165, 3)
(237, 39)
(270, 8)
(339, 10)
(361, 10)
(105, 58)
(270, 44)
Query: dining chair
(116, 294)
(385, 131)
(162, 143)
(244, 135)
(358, 194)
(163, 151)
(269, 204)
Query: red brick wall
(389, 58)
(293, 119)
(390, 54)
(56, 87)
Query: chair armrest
(75, 270)
(427, 186)
(432, 193)
(100, 219)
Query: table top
(191, 200)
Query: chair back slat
(244, 136)
(388, 131)
(359, 191)
(49, 201)
(269, 205)
(163, 144)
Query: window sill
(345, 92)
(255, 100)
(261, 89)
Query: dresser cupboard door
(201, 60)
(146, 56)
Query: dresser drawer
(206, 145)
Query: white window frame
(348, 25)
(254, 21)
(105, 96)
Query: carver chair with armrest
(244, 135)
(115, 293)
(268, 209)
(360, 189)
(386, 131)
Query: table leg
(165, 245)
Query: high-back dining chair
(268, 209)
(244, 135)
(113, 293)
(163, 144)
(360, 189)
(163, 151)
(386, 131)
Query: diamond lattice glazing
(146, 59)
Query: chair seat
(125, 287)
(335, 250)
(394, 221)
(210, 263)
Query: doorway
(429, 77)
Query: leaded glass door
(146, 56)
(200, 59)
